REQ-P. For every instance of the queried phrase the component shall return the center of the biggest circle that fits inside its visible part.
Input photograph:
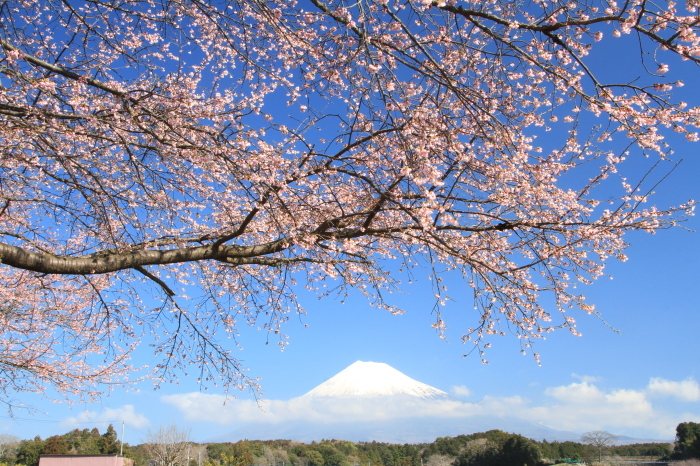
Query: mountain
(373, 401)
(397, 431)
(369, 379)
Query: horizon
(617, 440)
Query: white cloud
(576, 393)
(504, 406)
(217, 408)
(461, 390)
(577, 407)
(583, 406)
(686, 390)
(586, 378)
(126, 414)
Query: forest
(490, 448)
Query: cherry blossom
(174, 172)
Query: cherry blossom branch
(151, 150)
(60, 71)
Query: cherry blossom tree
(176, 170)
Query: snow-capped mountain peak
(374, 379)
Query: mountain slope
(373, 401)
(398, 431)
(369, 379)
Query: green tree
(83, 442)
(137, 453)
(55, 445)
(216, 450)
(335, 459)
(109, 443)
(331, 455)
(659, 450)
(29, 452)
(519, 451)
(546, 449)
(369, 453)
(241, 451)
(233, 460)
(570, 450)
(687, 441)
(479, 453)
(229, 454)
(315, 458)
(346, 447)
(498, 448)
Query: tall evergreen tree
(109, 443)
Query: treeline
(323, 453)
(495, 439)
(492, 448)
(79, 442)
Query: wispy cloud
(461, 390)
(126, 414)
(586, 378)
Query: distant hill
(399, 431)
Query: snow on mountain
(373, 401)
(369, 379)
